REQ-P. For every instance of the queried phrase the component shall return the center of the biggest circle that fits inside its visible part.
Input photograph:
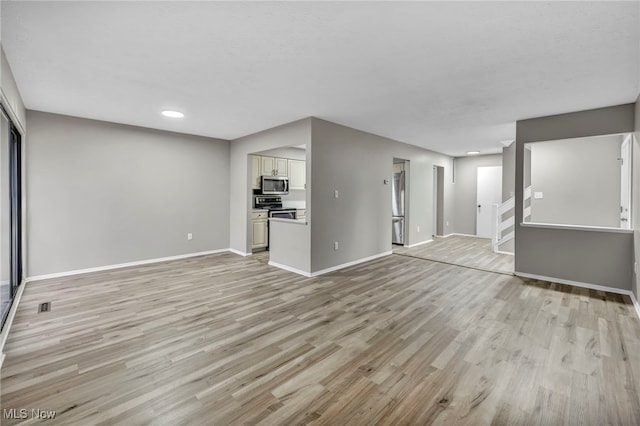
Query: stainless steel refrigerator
(397, 208)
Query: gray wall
(291, 134)
(579, 179)
(356, 164)
(508, 187)
(102, 193)
(592, 257)
(289, 245)
(635, 210)
(466, 188)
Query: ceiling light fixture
(172, 114)
(473, 152)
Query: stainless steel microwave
(275, 185)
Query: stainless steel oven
(283, 213)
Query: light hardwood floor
(222, 339)
(461, 250)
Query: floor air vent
(44, 307)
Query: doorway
(489, 193)
(10, 213)
(438, 201)
(398, 201)
(625, 183)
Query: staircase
(504, 219)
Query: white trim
(241, 253)
(629, 293)
(573, 283)
(354, 262)
(504, 252)
(333, 268)
(13, 116)
(576, 227)
(290, 269)
(10, 317)
(123, 265)
(419, 244)
(461, 235)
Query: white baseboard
(241, 253)
(123, 265)
(584, 285)
(290, 269)
(504, 252)
(419, 244)
(7, 325)
(355, 262)
(462, 235)
(333, 268)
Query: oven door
(283, 214)
(275, 185)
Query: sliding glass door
(10, 214)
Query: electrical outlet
(336, 194)
(418, 228)
(189, 236)
(336, 246)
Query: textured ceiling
(451, 76)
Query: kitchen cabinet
(301, 214)
(274, 166)
(398, 167)
(260, 237)
(256, 171)
(297, 174)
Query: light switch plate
(538, 195)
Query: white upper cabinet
(268, 166)
(281, 167)
(297, 174)
(256, 171)
(398, 167)
(272, 166)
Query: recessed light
(473, 152)
(172, 114)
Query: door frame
(626, 159)
(14, 165)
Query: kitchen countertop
(300, 205)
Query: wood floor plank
(224, 339)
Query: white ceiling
(451, 77)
